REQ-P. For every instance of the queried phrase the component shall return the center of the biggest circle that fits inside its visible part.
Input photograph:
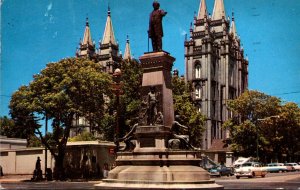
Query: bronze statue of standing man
(155, 31)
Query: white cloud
(49, 7)
(48, 14)
(55, 34)
(182, 32)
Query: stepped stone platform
(151, 165)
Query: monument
(149, 160)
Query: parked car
(289, 168)
(295, 166)
(276, 167)
(220, 171)
(250, 169)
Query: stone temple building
(107, 54)
(214, 63)
(217, 68)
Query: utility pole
(46, 155)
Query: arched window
(198, 71)
(198, 92)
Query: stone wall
(22, 161)
(83, 159)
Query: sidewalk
(14, 178)
(27, 178)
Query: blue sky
(36, 32)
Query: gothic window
(213, 68)
(198, 71)
(213, 109)
(214, 130)
(198, 92)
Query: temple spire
(202, 13)
(86, 45)
(87, 37)
(219, 10)
(233, 27)
(127, 52)
(109, 36)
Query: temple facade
(107, 55)
(216, 66)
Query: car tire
(252, 175)
(263, 176)
(237, 177)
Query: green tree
(84, 136)
(184, 107)
(10, 130)
(71, 87)
(129, 102)
(282, 133)
(25, 123)
(7, 126)
(131, 99)
(261, 122)
(289, 122)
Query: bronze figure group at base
(179, 138)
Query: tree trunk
(59, 173)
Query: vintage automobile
(295, 166)
(219, 171)
(250, 170)
(276, 167)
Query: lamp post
(117, 85)
(262, 119)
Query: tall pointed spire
(127, 52)
(219, 10)
(233, 27)
(86, 45)
(109, 36)
(87, 37)
(202, 10)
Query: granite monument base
(152, 165)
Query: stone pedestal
(157, 67)
(153, 166)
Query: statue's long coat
(155, 24)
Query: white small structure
(241, 160)
(12, 143)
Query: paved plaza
(290, 181)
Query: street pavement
(286, 181)
(290, 181)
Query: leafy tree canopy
(71, 87)
(261, 122)
(84, 136)
(184, 107)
